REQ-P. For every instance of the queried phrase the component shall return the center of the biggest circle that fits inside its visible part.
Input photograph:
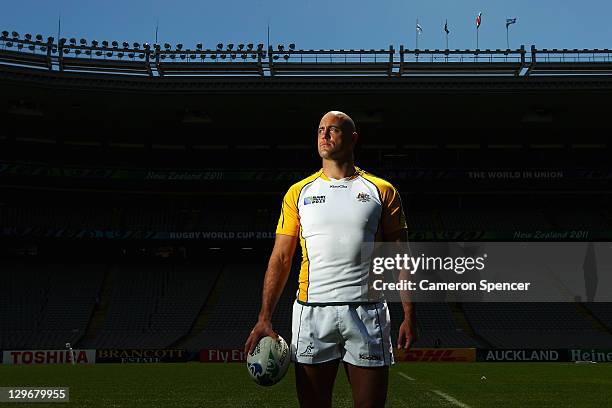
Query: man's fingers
(401, 338)
(250, 343)
(408, 343)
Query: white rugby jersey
(333, 218)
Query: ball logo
(269, 361)
(255, 369)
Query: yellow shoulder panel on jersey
(392, 218)
(289, 224)
(289, 220)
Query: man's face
(333, 140)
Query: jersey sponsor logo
(338, 186)
(363, 356)
(314, 200)
(309, 352)
(363, 197)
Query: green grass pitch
(228, 385)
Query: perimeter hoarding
(31, 357)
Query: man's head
(336, 136)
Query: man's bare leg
(369, 385)
(315, 383)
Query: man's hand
(263, 328)
(407, 335)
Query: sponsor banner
(140, 356)
(413, 235)
(222, 356)
(436, 355)
(596, 355)
(88, 233)
(29, 357)
(523, 355)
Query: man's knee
(315, 383)
(369, 385)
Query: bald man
(335, 316)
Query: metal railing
(155, 60)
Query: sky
(317, 24)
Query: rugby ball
(269, 361)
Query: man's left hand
(407, 335)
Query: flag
(446, 27)
(478, 20)
(419, 28)
(510, 21)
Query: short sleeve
(393, 217)
(289, 220)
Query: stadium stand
(234, 311)
(78, 156)
(436, 326)
(535, 325)
(602, 311)
(46, 306)
(153, 305)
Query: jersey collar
(356, 174)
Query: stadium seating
(436, 326)
(156, 305)
(153, 305)
(235, 310)
(46, 306)
(602, 311)
(534, 325)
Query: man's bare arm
(277, 273)
(407, 331)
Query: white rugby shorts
(359, 334)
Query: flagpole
(416, 29)
(446, 32)
(507, 38)
(156, 30)
(59, 27)
(478, 21)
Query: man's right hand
(263, 328)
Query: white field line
(405, 376)
(450, 399)
(447, 397)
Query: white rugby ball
(269, 361)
